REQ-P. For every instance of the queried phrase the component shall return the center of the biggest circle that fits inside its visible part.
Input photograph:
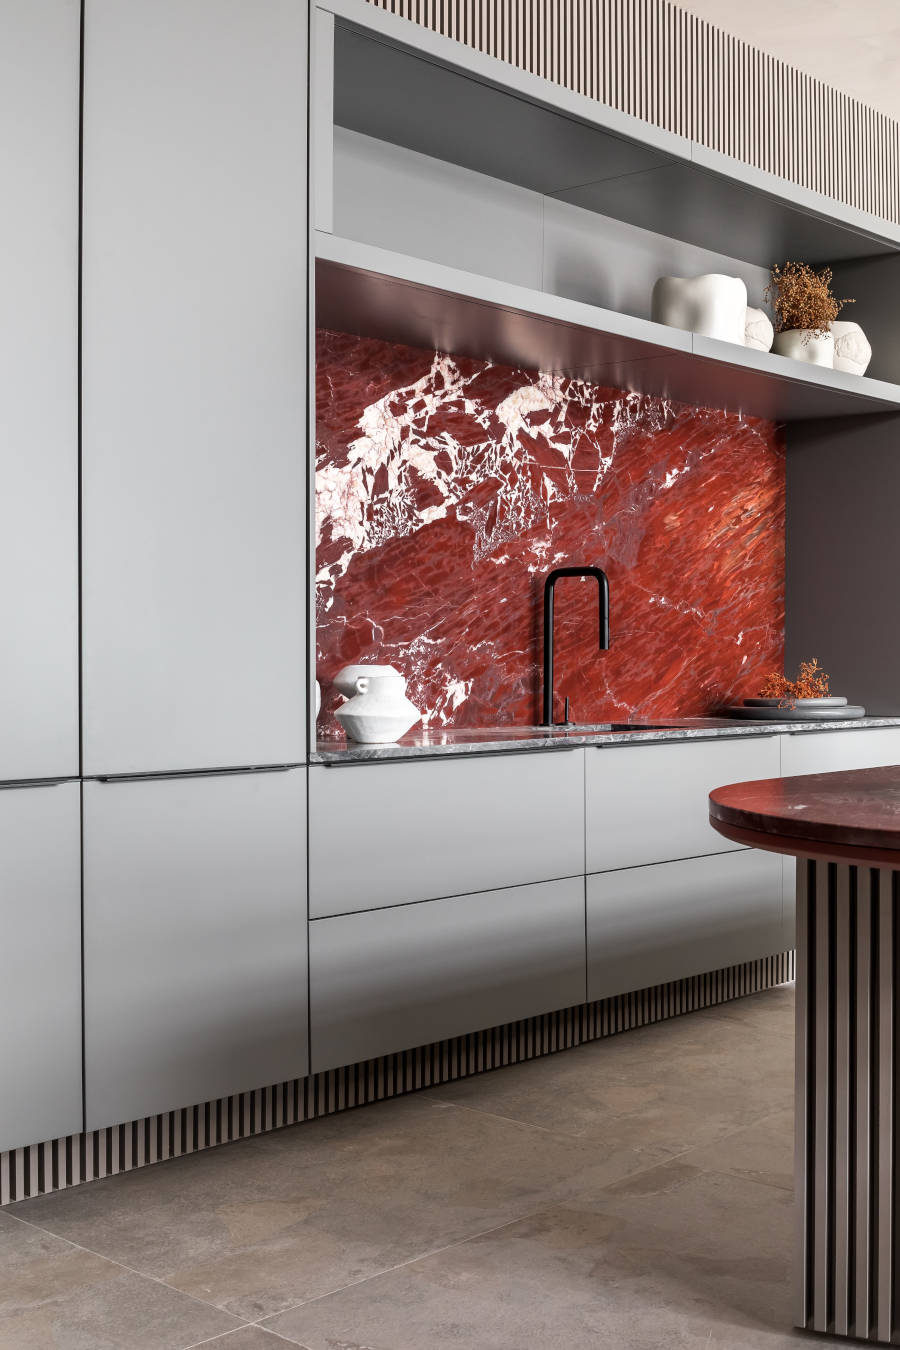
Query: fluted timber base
(77, 1158)
(847, 1263)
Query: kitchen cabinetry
(194, 939)
(824, 752)
(194, 384)
(648, 803)
(395, 978)
(40, 993)
(648, 925)
(385, 834)
(39, 96)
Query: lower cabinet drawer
(390, 979)
(649, 804)
(833, 751)
(647, 925)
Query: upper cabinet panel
(194, 384)
(39, 62)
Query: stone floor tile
(54, 1296)
(263, 1224)
(249, 1338)
(770, 1011)
(762, 1152)
(675, 1259)
(668, 1087)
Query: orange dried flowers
(811, 682)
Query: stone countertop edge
(416, 745)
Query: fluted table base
(847, 1263)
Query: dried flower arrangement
(802, 298)
(812, 682)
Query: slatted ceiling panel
(59, 1163)
(653, 60)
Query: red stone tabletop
(853, 815)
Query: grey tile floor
(632, 1194)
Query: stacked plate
(795, 710)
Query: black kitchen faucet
(549, 589)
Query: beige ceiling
(852, 44)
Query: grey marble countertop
(437, 742)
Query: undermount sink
(614, 726)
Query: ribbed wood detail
(848, 1220)
(653, 60)
(59, 1163)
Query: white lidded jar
(379, 713)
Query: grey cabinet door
(194, 940)
(395, 978)
(831, 751)
(386, 834)
(194, 384)
(649, 803)
(39, 75)
(647, 925)
(40, 993)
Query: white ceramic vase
(318, 698)
(714, 305)
(852, 350)
(804, 344)
(379, 713)
(345, 680)
(758, 330)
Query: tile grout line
(156, 1279)
(220, 1336)
(224, 1335)
(424, 1256)
(144, 1275)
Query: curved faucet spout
(549, 591)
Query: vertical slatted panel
(848, 1069)
(651, 59)
(60, 1163)
(803, 1059)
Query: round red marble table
(844, 829)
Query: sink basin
(616, 726)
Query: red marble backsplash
(447, 488)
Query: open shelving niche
(465, 206)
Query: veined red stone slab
(447, 488)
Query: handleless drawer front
(388, 834)
(829, 751)
(395, 978)
(648, 803)
(648, 925)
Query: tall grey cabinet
(194, 566)
(40, 901)
(194, 384)
(39, 389)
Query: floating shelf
(400, 82)
(377, 293)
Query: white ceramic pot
(345, 680)
(804, 344)
(852, 351)
(758, 330)
(379, 713)
(714, 305)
